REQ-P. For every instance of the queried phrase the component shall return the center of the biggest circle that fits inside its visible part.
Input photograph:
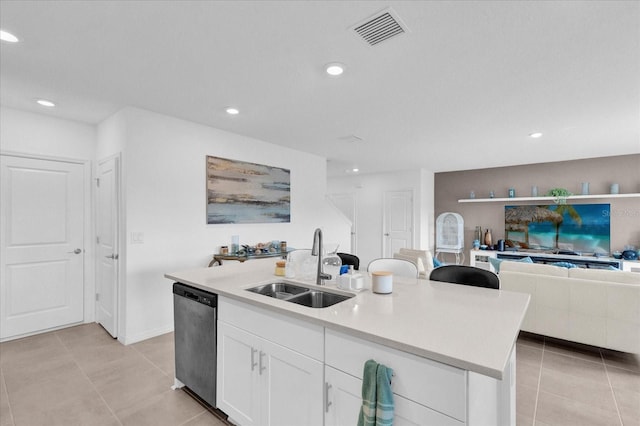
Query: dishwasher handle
(191, 296)
(195, 294)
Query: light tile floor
(81, 376)
(564, 383)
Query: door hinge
(97, 240)
(98, 182)
(97, 297)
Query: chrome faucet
(316, 250)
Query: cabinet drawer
(344, 399)
(300, 336)
(430, 383)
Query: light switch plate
(137, 238)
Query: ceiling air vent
(382, 26)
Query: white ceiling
(462, 89)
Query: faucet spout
(316, 250)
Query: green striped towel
(377, 397)
(384, 400)
(367, 415)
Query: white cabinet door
(238, 393)
(262, 383)
(344, 398)
(291, 387)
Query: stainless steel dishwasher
(194, 315)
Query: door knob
(76, 251)
(112, 256)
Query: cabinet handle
(253, 359)
(327, 403)
(261, 368)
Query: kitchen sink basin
(319, 299)
(278, 290)
(313, 298)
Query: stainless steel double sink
(313, 298)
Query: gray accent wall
(599, 172)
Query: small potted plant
(560, 195)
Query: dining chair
(466, 275)
(350, 259)
(399, 267)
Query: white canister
(382, 282)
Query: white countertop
(467, 327)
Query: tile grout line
(84, 373)
(150, 361)
(167, 374)
(615, 400)
(6, 391)
(535, 409)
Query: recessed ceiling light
(535, 135)
(5, 36)
(232, 111)
(355, 170)
(334, 69)
(46, 103)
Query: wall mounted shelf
(571, 197)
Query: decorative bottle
(487, 237)
(478, 234)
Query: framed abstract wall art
(241, 192)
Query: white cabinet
(343, 401)
(631, 265)
(292, 387)
(261, 382)
(238, 383)
(343, 398)
(425, 392)
(480, 259)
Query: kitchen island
(451, 347)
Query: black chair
(350, 259)
(467, 275)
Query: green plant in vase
(560, 195)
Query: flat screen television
(579, 228)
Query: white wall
(42, 136)
(164, 190)
(369, 190)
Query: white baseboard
(148, 334)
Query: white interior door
(398, 222)
(42, 225)
(346, 203)
(107, 228)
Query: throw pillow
(568, 265)
(495, 262)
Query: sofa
(592, 306)
(421, 258)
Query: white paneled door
(398, 222)
(107, 245)
(41, 238)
